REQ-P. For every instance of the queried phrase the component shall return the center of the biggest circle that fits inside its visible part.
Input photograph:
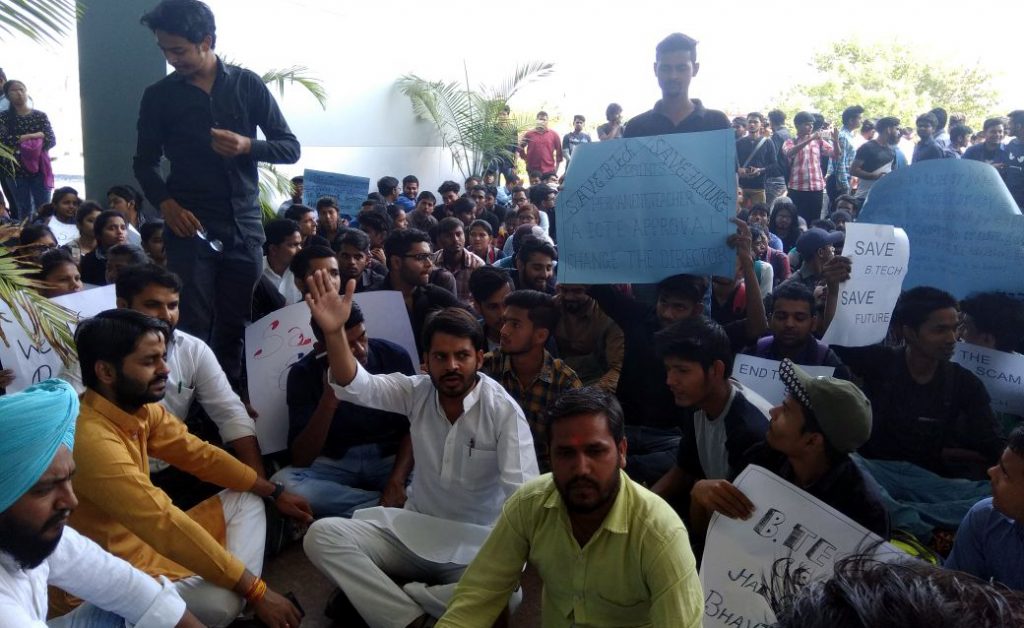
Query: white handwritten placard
(282, 338)
(33, 362)
(879, 254)
(787, 525)
(762, 376)
(1001, 372)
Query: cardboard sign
(1001, 372)
(880, 254)
(966, 230)
(762, 376)
(639, 210)
(34, 362)
(282, 338)
(349, 191)
(787, 524)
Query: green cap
(842, 410)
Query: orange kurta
(121, 509)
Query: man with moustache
(610, 553)
(213, 552)
(36, 547)
(523, 366)
(472, 448)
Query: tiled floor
(291, 571)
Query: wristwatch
(278, 489)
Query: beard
(28, 548)
(577, 505)
(131, 393)
(453, 384)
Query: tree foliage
(889, 79)
(469, 121)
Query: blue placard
(349, 191)
(966, 233)
(641, 209)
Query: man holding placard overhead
(675, 65)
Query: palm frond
(523, 75)
(41, 319)
(297, 75)
(38, 20)
(271, 183)
(469, 121)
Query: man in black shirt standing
(203, 118)
(675, 65)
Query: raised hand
(330, 310)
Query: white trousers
(364, 559)
(246, 538)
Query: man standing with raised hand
(36, 547)
(203, 119)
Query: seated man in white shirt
(472, 448)
(195, 374)
(284, 240)
(36, 550)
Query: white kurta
(85, 570)
(464, 470)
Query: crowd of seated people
(589, 431)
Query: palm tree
(470, 122)
(271, 180)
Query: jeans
(216, 294)
(87, 616)
(336, 487)
(30, 193)
(652, 452)
(918, 500)
(774, 187)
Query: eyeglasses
(419, 257)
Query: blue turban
(34, 423)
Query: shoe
(340, 610)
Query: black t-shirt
(352, 425)
(915, 422)
(655, 123)
(873, 156)
(843, 487)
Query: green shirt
(637, 569)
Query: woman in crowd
(153, 242)
(60, 273)
(128, 201)
(85, 218)
(27, 133)
(763, 252)
(33, 241)
(59, 214)
(480, 237)
(784, 222)
(110, 229)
